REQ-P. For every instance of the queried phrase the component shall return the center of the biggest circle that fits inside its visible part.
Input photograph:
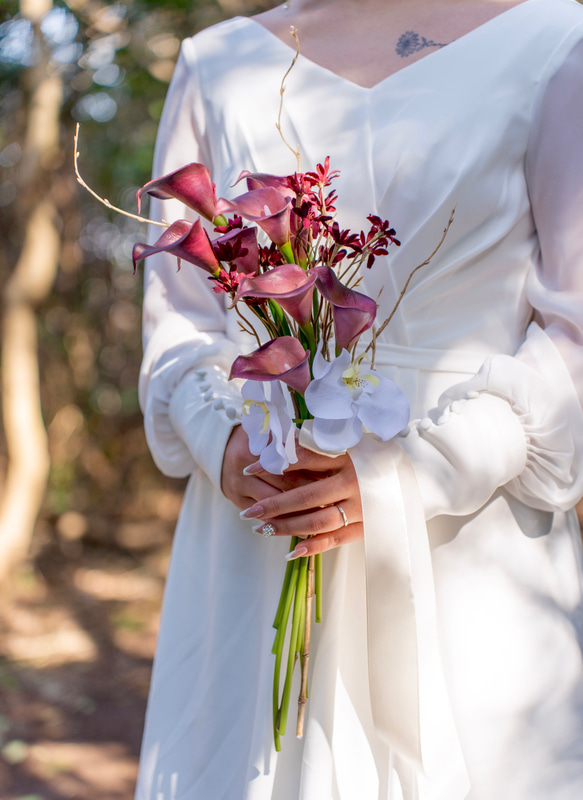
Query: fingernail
(253, 469)
(265, 529)
(297, 553)
(253, 512)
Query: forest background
(86, 520)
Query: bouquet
(298, 285)
(299, 289)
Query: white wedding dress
(448, 664)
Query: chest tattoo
(411, 42)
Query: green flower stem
(300, 600)
(278, 648)
(287, 252)
(285, 587)
(318, 588)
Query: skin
(356, 39)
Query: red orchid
(185, 240)
(353, 312)
(289, 285)
(192, 185)
(281, 359)
(267, 207)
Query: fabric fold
(408, 694)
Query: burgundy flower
(267, 207)
(322, 174)
(281, 359)
(239, 248)
(185, 240)
(289, 285)
(191, 185)
(353, 312)
(262, 180)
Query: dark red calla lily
(263, 180)
(353, 312)
(289, 285)
(192, 185)
(239, 247)
(267, 207)
(187, 241)
(281, 359)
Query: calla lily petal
(281, 359)
(185, 240)
(267, 207)
(289, 285)
(263, 180)
(353, 312)
(192, 185)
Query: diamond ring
(268, 529)
(344, 519)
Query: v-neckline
(435, 54)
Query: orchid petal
(385, 411)
(289, 285)
(268, 424)
(187, 241)
(335, 434)
(353, 312)
(281, 359)
(266, 207)
(192, 185)
(328, 396)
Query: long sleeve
(519, 422)
(189, 407)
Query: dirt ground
(77, 640)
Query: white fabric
(494, 395)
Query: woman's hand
(313, 508)
(245, 489)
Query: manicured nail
(253, 469)
(253, 512)
(297, 553)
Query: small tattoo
(410, 42)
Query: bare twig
(296, 152)
(408, 281)
(303, 696)
(103, 200)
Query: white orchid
(345, 395)
(268, 424)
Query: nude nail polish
(253, 469)
(253, 512)
(297, 553)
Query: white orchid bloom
(268, 424)
(345, 395)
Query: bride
(448, 664)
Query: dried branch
(104, 201)
(296, 152)
(408, 281)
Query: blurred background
(86, 520)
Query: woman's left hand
(313, 509)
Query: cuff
(476, 445)
(203, 411)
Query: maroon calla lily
(185, 240)
(192, 185)
(353, 312)
(281, 359)
(239, 247)
(267, 207)
(263, 180)
(289, 285)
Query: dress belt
(428, 359)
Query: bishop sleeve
(519, 422)
(189, 407)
